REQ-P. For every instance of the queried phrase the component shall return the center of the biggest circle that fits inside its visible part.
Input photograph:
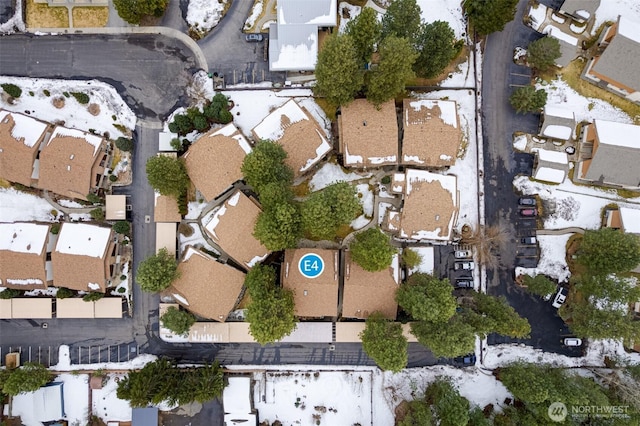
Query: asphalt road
(500, 77)
(149, 71)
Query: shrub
(372, 250)
(11, 89)
(54, 212)
(64, 293)
(113, 178)
(55, 228)
(93, 296)
(93, 198)
(10, 293)
(386, 180)
(82, 98)
(46, 93)
(121, 289)
(176, 144)
(122, 227)
(97, 214)
(410, 258)
(66, 94)
(124, 144)
(31, 93)
(123, 277)
(178, 321)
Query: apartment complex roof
(366, 292)
(231, 227)
(368, 135)
(630, 220)
(552, 166)
(67, 162)
(430, 205)
(166, 209)
(215, 159)
(316, 295)
(20, 137)
(616, 158)
(432, 133)
(314, 12)
(207, 287)
(559, 123)
(23, 249)
(80, 256)
(297, 131)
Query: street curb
(201, 61)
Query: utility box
(12, 360)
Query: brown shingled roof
(428, 140)
(17, 155)
(69, 165)
(214, 160)
(369, 133)
(166, 209)
(210, 288)
(366, 292)
(313, 297)
(231, 227)
(19, 265)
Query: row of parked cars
(529, 207)
(464, 262)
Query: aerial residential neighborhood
(319, 212)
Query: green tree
(265, 164)
(364, 30)
(11, 90)
(418, 414)
(608, 250)
(454, 338)
(93, 198)
(539, 285)
(339, 72)
(124, 144)
(604, 321)
(97, 214)
(271, 312)
(279, 227)
(527, 382)
(388, 79)
(167, 175)
(528, 99)
(133, 11)
(372, 250)
(426, 298)
(325, 211)
(449, 407)
(384, 342)
(93, 296)
(274, 194)
(402, 19)
(506, 320)
(487, 17)
(542, 53)
(64, 293)
(122, 227)
(178, 321)
(28, 378)
(410, 258)
(156, 273)
(436, 49)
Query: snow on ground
(520, 142)
(559, 94)
(76, 397)
(466, 168)
(426, 265)
(195, 208)
(64, 362)
(80, 217)
(73, 113)
(537, 15)
(445, 10)
(205, 14)
(123, 284)
(351, 10)
(610, 9)
(552, 261)
(365, 194)
(195, 239)
(70, 204)
(464, 75)
(18, 206)
(106, 403)
(15, 22)
(255, 14)
(360, 222)
(382, 210)
(331, 173)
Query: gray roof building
(580, 10)
(558, 123)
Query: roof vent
(437, 217)
(364, 123)
(305, 292)
(71, 156)
(28, 246)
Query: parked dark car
(464, 283)
(528, 240)
(466, 360)
(254, 37)
(527, 201)
(528, 212)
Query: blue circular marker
(311, 265)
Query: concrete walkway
(68, 210)
(570, 230)
(268, 14)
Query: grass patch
(117, 156)
(627, 193)
(90, 17)
(301, 190)
(40, 15)
(573, 244)
(328, 108)
(343, 231)
(4, 183)
(571, 74)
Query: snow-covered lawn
(15, 22)
(113, 110)
(17, 206)
(537, 15)
(256, 11)
(331, 173)
(445, 10)
(195, 239)
(552, 261)
(203, 15)
(586, 109)
(106, 403)
(426, 264)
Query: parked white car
(560, 298)
(463, 254)
(572, 341)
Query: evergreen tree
(384, 342)
(454, 338)
(388, 79)
(265, 165)
(124, 144)
(539, 285)
(364, 31)
(28, 378)
(449, 407)
(542, 53)
(156, 273)
(608, 250)
(417, 414)
(133, 11)
(487, 17)
(528, 99)
(178, 321)
(325, 211)
(427, 298)
(436, 49)
(372, 250)
(339, 72)
(506, 320)
(402, 19)
(167, 175)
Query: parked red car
(528, 212)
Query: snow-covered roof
(164, 141)
(558, 111)
(293, 47)
(83, 239)
(551, 156)
(557, 132)
(44, 405)
(26, 128)
(630, 220)
(629, 29)
(23, 237)
(321, 13)
(236, 397)
(547, 174)
(620, 134)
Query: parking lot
(48, 355)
